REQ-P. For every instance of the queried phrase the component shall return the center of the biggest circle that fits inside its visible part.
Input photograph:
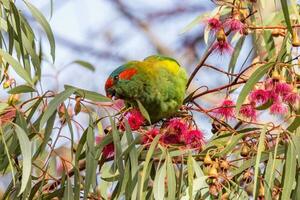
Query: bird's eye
(116, 78)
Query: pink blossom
(278, 108)
(226, 109)
(193, 138)
(274, 96)
(222, 47)
(177, 126)
(169, 138)
(259, 96)
(108, 150)
(283, 88)
(214, 23)
(248, 111)
(291, 98)
(234, 24)
(135, 119)
(150, 135)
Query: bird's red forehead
(109, 83)
(127, 74)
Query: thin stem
(199, 65)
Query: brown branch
(218, 89)
(199, 65)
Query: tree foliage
(251, 153)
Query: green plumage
(159, 84)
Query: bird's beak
(110, 93)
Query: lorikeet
(157, 82)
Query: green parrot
(158, 83)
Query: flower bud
(6, 84)
(295, 39)
(221, 36)
(207, 160)
(13, 99)
(245, 151)
(77, 107)
(225, 196)
(261, 191)
(224, 165)
(275, 75)
(213, 171)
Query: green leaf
(54, 103)
(159, 183)
(270, 170)
(44, 23)
(265, 105)
(144, 111)
(255, 77)
(252, 161)
(269, 43)
(3, 106)
(233, 142)
(191, 172)
(16, 66)
(47, 135)
(93, 96)
(25, 146)
(91, 163)
(295, 124)
(68, 195)
(171, 178)
(286, 14)
(21, 89)
(194, 23)
(269, 178)
(235, 55)
(289, 172)
(260, 149)
(146, 165)
(84, 64)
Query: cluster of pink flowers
(176, 132)
(219, 27)
(278, 94)
(134, 118)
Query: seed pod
(276, 76)
(77, 107)
(13, 99)
(207, 160)
(295, 39)
(221, 36)
(224, 165)
(225, 196)
(247, 176)
(245, 151)
(6, 84)
(261, 191)
(213, 171)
